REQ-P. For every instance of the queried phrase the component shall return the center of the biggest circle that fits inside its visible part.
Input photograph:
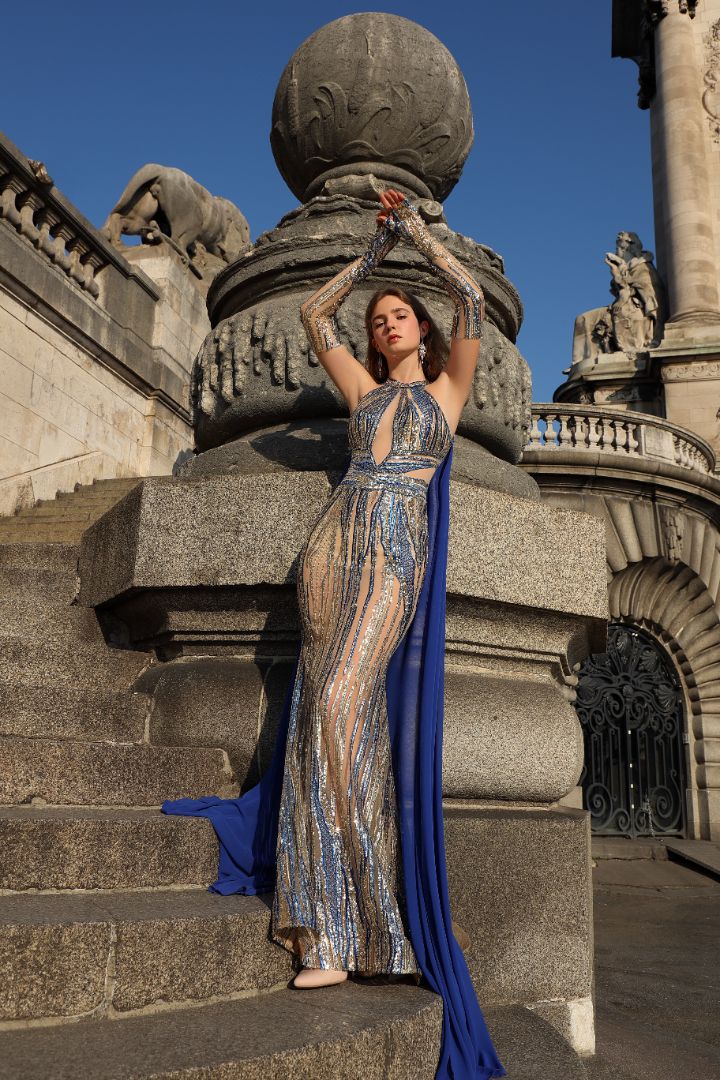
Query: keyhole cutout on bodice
(383, 435)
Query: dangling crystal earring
(422, 351)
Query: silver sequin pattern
(338, 899)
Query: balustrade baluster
(30, 202)
(536, 434)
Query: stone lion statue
(165, 205)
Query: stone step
(63, 663)
(47, 847)
(107, 492)
(67, 515)
(355, 1031)
(35, 583)
(62, 557)
(46, 613)
(701, 855)
(27, 533)
(72, 772)
(341, 1032)
(163, 946)
(66, 712)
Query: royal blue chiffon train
(246, 827)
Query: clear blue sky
(560, 163)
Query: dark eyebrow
(392, 312)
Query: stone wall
(95, 348)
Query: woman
(346, 823)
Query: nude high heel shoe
(311, 978)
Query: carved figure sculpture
(165, 205)
(634, 322)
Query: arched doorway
(630, 707)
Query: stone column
(681, 177)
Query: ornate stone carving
(671, 531)
(255, 367)
(634, 322)
(165, 205)
(634, 23)
(711, 94)
(30, 204)
(684, 372)
(341, 110)
(41, 173)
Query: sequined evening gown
(355, 853)
(338, 898)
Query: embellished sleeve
(462, 288)
(318, 312)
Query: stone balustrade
(595, 429)
(34, 207)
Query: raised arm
(466, 294)
(318, 315)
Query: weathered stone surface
(96, 848)
(336, 1033)
(64, 712)
(231, 396)
(657, 974)
(56, 662)
(309, 142)
(166, 206)
(49, 968)
(65, 517)
(530, 1048)
(508, 738)
(319, 445)
(229, 703)
(161, 946)
(520, 885)
(190, 947)
(39, 557)
(171, 532)
(103, 774)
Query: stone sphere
(372, 94)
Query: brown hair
(437, 350)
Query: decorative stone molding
(32, 206)
(693, 370)
(633, 26)
(591, 428)
(658, 9)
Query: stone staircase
(63, 520)
(115, 960)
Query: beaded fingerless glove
(462, 288)
(318, 313)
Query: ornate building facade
(633, 436)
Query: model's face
(396, 330)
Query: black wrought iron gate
(629, 703)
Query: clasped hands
(388, 217)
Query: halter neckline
(413, 382)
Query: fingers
(391, 198)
